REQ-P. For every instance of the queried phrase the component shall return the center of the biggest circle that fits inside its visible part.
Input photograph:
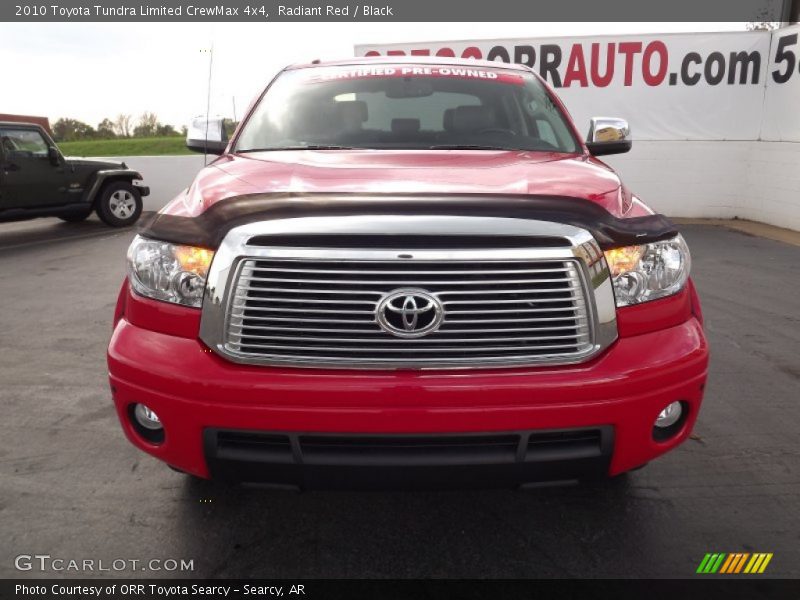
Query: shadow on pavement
(239, 532)
(21, 234)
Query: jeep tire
(119, 204)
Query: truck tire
(75, 217)
(119, 204)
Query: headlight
(168, 272)
(649, 271)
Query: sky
(89, 71)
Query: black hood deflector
(211, 227)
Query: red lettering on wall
(629, 49)
(652, 48)
(604, 79)
(576, 67)
(471, 52)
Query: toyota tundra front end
(408, 273)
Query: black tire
(75, 217)
(119, 204)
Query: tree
(122, 125)
(105, 129)
(165, 130)
(148, 125)
(184, 130)
(67, 130)
(229, 126)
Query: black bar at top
(256, 11)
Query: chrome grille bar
(254, 327)
(317, 307)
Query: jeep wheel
(119, 204)
(75, 217)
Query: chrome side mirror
(207, 135)
(608, 135)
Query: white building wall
(719, 151)
(773, 179)
(757, 180)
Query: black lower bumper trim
(390, 461)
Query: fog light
(670, 415)
(146, 417)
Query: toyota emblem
(409, 313)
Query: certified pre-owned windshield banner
(393, 10)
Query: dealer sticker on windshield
(416, 71)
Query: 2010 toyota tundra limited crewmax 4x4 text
(408, 272)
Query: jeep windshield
(406, 107)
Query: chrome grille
(316, 312)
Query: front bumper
(197, 394)
(141, 187)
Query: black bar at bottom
(706, 587)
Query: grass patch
(152, 146)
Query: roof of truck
(411, 60)
(9, 119)
(18, 124)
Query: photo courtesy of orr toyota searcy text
(140, 590)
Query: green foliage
(148, 125)
(148, 146)
(67, 130)
(105, 129)
(166, 130)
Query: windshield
(407, 107)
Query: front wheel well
(118, 203)
(108, 180)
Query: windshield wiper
(308, 147)
(467, 147)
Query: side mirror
(54, 156)
(608, 135)
(207, 135)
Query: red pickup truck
(408, 272)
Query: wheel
(75, 217)
(119, 204)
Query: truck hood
(404, 172)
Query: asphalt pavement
(74, 488)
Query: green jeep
(36, 180)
